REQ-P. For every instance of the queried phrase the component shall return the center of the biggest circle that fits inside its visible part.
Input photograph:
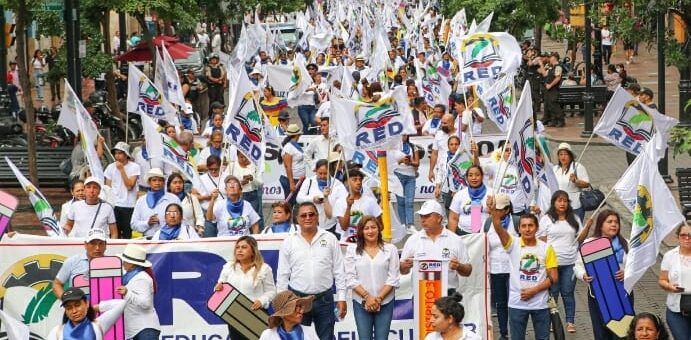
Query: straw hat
(153, 173)
(293, 130)
(284, 304)
(135, 254)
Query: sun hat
(135, 254)
(293, 130)
(122, 146)
(564, 146)
(501, 201)
(284, 304)
(153, 173)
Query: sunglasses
(685, 236)
(306, 215)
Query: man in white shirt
(91, 213)
(318, 148)
(122, 177)
(436, 242)
(308, 264)
(349, 211)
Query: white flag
(629, 124)
(145, 98)
(485, 56)
(87, 138)
(655, 213)
(167, 78)
(373, 126)
(15, 329)
(245, 127)
(522, 141)
(300, 80)
(154, 144)
(41, 206)
(499, 99)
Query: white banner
(186, 272)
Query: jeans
(366, 321)
(600, 331)
(499, 285)
(306, 114)
(606, 53)
(255, 199)
(285, 185)
(580, 212)
(566, 285)
(55, 90)
(322, 314)
(210, 229)
(518, 322)
(147, 334)
(446, 198)
(39, 82)
(679, 325)
(123, 216)
(405, 204)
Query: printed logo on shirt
(530, 267)
(445, 253)
(468, 205)
(236, 226)
(355, 217)
(323, 243)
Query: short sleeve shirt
(446, 246)
(73, 266)
(84, 216)
(529, 266)
(365, 205)
(229, 225)
(123, 197)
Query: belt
(316, 296)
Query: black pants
(553, 111)
(123, 216)
(606, 53)
(215, 93)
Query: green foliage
(680, 140)
(49, 24)
(513, 16)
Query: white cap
(501, 201)
(188, 108)
(154, 172)
(92, 179)
(96, 234)
(431, 206)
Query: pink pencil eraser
(217, 299)
(106, 262)
(595, 246)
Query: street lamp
(588, 97)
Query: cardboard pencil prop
(82, 282)
(8, 204)
(613, 301)
(234, 308)
(105, 275)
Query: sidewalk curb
(577, 141)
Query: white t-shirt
(365, 205)
(461, 204)
(606, 37)
(467, 335)
(298, 159)
(208, 184)
(431, 126)
(84, 215)
(234, 226)
(529, 268)
(562, 237)
(563, 179)
(467, 119)
(676, 266)
(122, 197)
(499, 261)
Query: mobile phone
(680, 289)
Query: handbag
(591, 198)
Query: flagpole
(384, 184)
(585, 147)
(127, 125)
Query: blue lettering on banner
(243, 143)
(398, 334)
(496, 110)
(194, 337)
(369, 165)
(481, 73)
(378, 134)
(179, 163)
(151, 110)
(626, 141)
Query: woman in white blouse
(248, 273)
(372, 272)
(192, 214)
(293, 161)
(571, 177)
(141, 319)
(674, 271)
(175, 228)
(251, 181)
(317, 189)
(77, 190)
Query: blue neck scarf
(618, 249)
(449, 155)
(322, 184)
(505, 221)
(181, 195)
(152, 197)
(145, 153)
(186, 122)
(235, 208)
(295, 334)
(435, 122)
(282, 227)
(215, 151)
(169, 232)
(296, 145)
(446, 64)
(477, 194)
(130, 274)
(81, 331)
(406, 149)
(339, 175)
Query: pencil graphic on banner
(8, 204)
(234, 308)
(105, 275)
(82, 282)
(612, 300)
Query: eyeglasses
(685, 236)
(306, 215)
(172, 213)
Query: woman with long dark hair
(608, 225)
(175, 228)
(467, 211)
(560, 227)
(192, 214)
(272, 105)
(648, 326)
(571, 177)
(372, 272)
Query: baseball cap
(284, 115)
(92, 179)
(217, 105)
(72, 294)
(431, 206)
(501, 201)
(188, 108)
(96, 234)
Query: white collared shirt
(139, 310)
(311, 268)
(447, 246)
(261, 288)
(142, 212)
(372, 273)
